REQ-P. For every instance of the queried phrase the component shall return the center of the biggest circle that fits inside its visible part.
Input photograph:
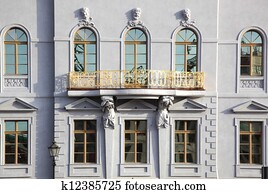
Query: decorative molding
(107, 107)
(187, 22)
(251, 83)
(136, 105)
(136, 22)
(251, 107)
(162, 116)
(188, 105)
(16, 105)
(86, 20)
(84, 104)
(16, 82)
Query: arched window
(135, 50)
(85, 50)
(186, 51)
(16, 52)
(251, 54)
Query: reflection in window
(135, 141)
(251, 54)
(85, 141)
(250, 142)
(85, 50)
(186, 51)
(16, 142)
(185, 141)
(16, 52)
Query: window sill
(132, 170)
(185, 170)
(85, 170)
(15, 171)
(248, 170)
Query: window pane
(91, 125)
(22, 49)
(142, 125)
(129, 157)
(256, 126)
(91, 157)
(79, 137)
(78, 158)
(244, 148)
(10, 125)
(190, 157)
(91, 147)
(141, 49)
(129, 137)
(23, 138)
(129, 147)
(244, 158)
(22, 125)
(256, 37)
(130, 59)
(10, 138)
(256, 159)
(10, 59)
(179, 68)
(79, 125)
(11, 35)
(129, 125)
(22, 148)
(180, 49)
(91, 48)
(91, 137)
(191, 138)
(10, 49)
(22, 69)
(179, 157)
(244, 138)
(245, 70)
(256, 139)
(179, 125)
(244, 126)
(179, 148)
(179, 137)
(23, 159)
(20, 35)
(10, 159)
(142, 157)
(91, 58)
(256, 149)
(79, 147)
(180, 60)
(129, 48)
(10, 148)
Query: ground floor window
(85, 141)
(135, 141)
(251, 142)
(16, 142)
(185, 141)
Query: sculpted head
(187, 14)
(136, 12)
(85, 13)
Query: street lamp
(54, 151)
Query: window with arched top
(136, 50)
(16, 52)
(186, 51)
(85, 42)
(251, 54)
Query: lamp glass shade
(54, 150)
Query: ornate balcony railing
(116, 79)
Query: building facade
(139, 89)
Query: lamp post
(54, 151)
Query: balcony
(143, 81)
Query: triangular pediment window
(133, 105)
(251, 107)
(83, 104)
(16, 105)
(188, 105)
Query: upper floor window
(16, 52)
(185, 141)
(251, 54)
(186, 51)
(16, 142)
(85, 150)
(135, 50)
(85, 50)
(251, 142)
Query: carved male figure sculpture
(85, 13)
(187, 18)
(162, 117)
(108, 111)
(86, 19)
(136, 14)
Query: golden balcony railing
(116, 79)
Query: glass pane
(79, 137)
(129, 147)
(245, 70)
(256, 139)
(20, 35)
(23, 158)
(79, 147)
(141, 125)
(11, 35)
(10, 149)
(244, 148)
(244, 126)
(129, 125)
(129, 137)
(22, 69)
(91, 137)
(10, 69)
(192, 38)
(10, 59)
(245, 51)
(23, 138)
(141, 59)
(79, 67)
(244, 138)
(10, 49)
(179, 148)
(179, 68)
(91, 157)
(129, 48)
(191, 138)
(130, 35)
(256, 159)
(179, 157)
(141, 138)
(79, 125)
(181, 37)
(10, 138)
(10, 159)
(179, 125)
(191, 125)
(10, 125)
(256, 38)
(91, 125)
(91, 147)
(129, 67)
(89, 35)
(129, 157)
(180, 60)
(190, 157)
(191, 147)
(130, 59)
(91, 48)
(142, 157)
(191, 49)
(22, 49)
(244, 158)
(179, 137)
(22, 125)
(91, 67)
(141, 147)
(23, 148)
(91, 58)
(256, 126)
(180, 49)
(141, 49)
(246, 38)
(79, 158)
(189, 35)
(256, 149)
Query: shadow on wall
(61, 84)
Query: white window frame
(85, 169)
(190, 169)
(250, 170)
(136, 169)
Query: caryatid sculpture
(162, 116)
(107, 106)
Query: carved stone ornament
(86, 19)
(107, 107)
(186, 22)
(251, 84)
(162, 116)
(16, 82)
(136, 14)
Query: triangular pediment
(188, 105)
(83, 104)
(139, 105)
(251, 107)
(16, 105)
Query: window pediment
(251, 107)
(83, 104)
(138, 105)
(16, 105)
(188, 105)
